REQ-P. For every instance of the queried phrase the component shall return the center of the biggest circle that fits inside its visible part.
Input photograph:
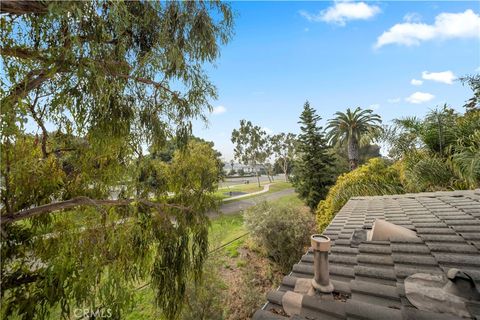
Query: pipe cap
(320, 242)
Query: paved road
(235, 206)
(236, 181)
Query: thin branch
(157, 85)
(6, 177)
(21, 89)
(19, 7)
(32, 80)
(23, 53)
(40, 123)
(82, 201)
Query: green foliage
(204, 301)
(422, 171)
(352, 129)
(57, 264)
(106, 79)
(365, 153)
(376, 177)
(439, 152)
(283, 147)
(473, 82)
(313, 172)
(282, 231)
(465, 153)
(251, 145)
(92, 62)
(466, 159)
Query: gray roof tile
(372, 274)
(313, 307)
(362, 310)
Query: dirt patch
(248, 278)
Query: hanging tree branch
(32, 80)
(40, 123)
(35, 78)
(83, 201)
(23, 7)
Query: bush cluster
(376, 177)
(281, 230)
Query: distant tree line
(441, 151)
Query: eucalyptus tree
(85, 86)
(283, 147)
(251, 145)
(352, 128)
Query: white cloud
(447, 25)
(478, 69)
(306, 29)
(444, 77)
(393, 100)
(219, 110)
(419, 97)
(342, 12)
(416, 82)
(412, 17)
(374, 106)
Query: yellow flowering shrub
(376, 177)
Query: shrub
(466, 159)
(423, 171)
(376, 177)
(281, 230)
(204, 301)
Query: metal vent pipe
(321, 246)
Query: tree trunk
(353, 153)
(285, 170)
(258, 177)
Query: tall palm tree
(353, 128)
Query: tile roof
(369, 279)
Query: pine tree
(313, 169)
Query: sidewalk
(265, 189)
(237, 206)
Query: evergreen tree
(313, 169)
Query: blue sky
(339, 55)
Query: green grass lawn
(279, 186)
(274, 187)
(225, 228)
(247, 188)
(291, 199)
